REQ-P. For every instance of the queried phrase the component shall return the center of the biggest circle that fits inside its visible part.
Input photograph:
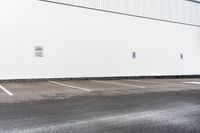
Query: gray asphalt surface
(149, 112)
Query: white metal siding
(172, 10)
(80, 42)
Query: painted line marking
(114, 83)
(156, 82)
(198, 83)
(75, 87)
(5, 90)
(145, 81)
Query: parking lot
(16, 92)
(87, 106)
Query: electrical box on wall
(134, 55)
(39, 51)
(181, 56)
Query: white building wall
(81, 42)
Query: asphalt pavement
(173, 110)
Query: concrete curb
(103, 78)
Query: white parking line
(142, 81)
(75, 87)
(114, 83)
(198, 83)
(5, 90)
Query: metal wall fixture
(134, 55)
(181, 56)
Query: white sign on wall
(39, 51)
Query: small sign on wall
(39, 51)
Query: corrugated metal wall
(172, 10)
